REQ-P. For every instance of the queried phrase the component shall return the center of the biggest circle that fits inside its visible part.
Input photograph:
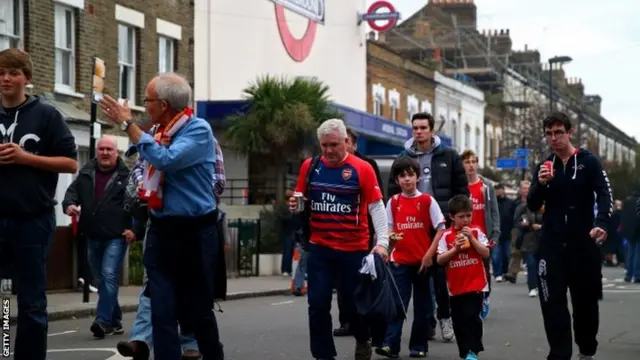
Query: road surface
(276, 328)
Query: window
(10, 24)
(377, 105)
(127, 62)
(65, 47)
(394, 112)
(454, 134)
(166, 55)
(478, 140)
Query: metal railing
(244, 240)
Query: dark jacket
(40, 129)
(447, 175)
(507, 208)
(106, 218)
(374, 165)
(629, 219)
(569, 198)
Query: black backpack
(304, 218)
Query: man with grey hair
(340, 190)
(182, 243)
(96, 198)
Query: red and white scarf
(152, 178)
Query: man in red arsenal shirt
(462, 248)
(412, 216)
(485, 210)
(340, 192)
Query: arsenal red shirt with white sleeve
(414, 217)
(339, 197)
(465, 272)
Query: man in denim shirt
(182, 244)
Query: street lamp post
(555, 60)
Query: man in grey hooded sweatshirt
(442, 177)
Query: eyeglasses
(554, 134)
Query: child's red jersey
(465, 272)
(414, 217)
(339, 196)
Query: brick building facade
(135, 38)
(397, 87)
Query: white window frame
(61, 14)
(379, 93)
(394, 104)
(15, 36)
(122, 64)
(170, 48)
(478, 139)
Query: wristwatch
(125, 125)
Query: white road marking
(115, 355)
(622, 291)
(608, 285)
(283, 303)
(63, 333)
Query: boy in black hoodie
(569, 254)
(35, 146)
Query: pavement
(276, 327)
(69, 304)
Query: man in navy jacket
(569, 253)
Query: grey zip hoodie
(424, 158)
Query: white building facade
(459, 110)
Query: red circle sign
(298, 49)
(382, 5)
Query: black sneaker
(100, 331)
(137, 350)
(343, 330)
(118, 329)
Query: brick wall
(393, 71)
(96, 34)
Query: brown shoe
(137, 350)
(190, 354)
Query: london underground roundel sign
(391, 16)
(299, 48)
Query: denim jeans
(141, 329)
(301, 270)
(105, 259)
(408, 279)
(30, 241)
(532, 269)
(323, 266)
(180, 258)
(500, 258)
(633, 261)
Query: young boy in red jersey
(462, 248)
(485, 211)
(413, 217)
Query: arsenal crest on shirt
(346, 173)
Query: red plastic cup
(549, 165)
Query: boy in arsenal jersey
(462, 248)
(413, 217)
(485, 211)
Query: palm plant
(280, 122)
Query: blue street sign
(380, 16)
(522, 152)
(523, 163)
(507, 163)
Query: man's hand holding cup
(546, 172)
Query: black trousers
(439, 278)
(578, 269)
(467, 323)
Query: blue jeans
(105, 259)
(408, 278)
(500, 258)
(532, 269)
(180, 258)
(30, 242)
(141, 329)
(301, 270)
(633, 261)
(324, 265)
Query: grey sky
(602, 39)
